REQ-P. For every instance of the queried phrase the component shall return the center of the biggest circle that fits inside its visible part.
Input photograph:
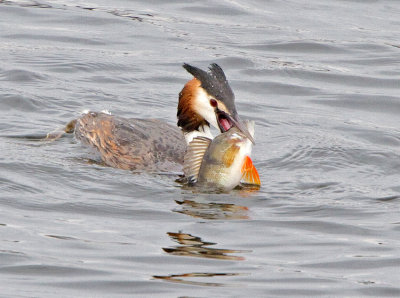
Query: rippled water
(321, 80)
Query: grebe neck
(202, 131)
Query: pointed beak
(226, 121)
(243, 128)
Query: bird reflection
(181, 278)
(192, 246)
(212, 210)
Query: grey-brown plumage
(133, 144)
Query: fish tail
(249, 171)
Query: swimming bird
(153, 145)
(220, 164)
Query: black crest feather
(215, 83)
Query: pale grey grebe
(153, 145)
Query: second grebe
(153, 145)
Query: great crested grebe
(153, 145)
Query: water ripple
(320, 80)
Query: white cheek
(204, 108)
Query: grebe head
(208, 99)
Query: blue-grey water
(321, 80)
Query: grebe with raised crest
(154, 145)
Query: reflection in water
(212, 210)
(246, 190)
(243, 189)
(192, 246)
(179, 278)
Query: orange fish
(221, 163)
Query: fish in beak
(226, 121)
(223, 163)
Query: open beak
(226, 121)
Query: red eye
(213, 102)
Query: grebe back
(133, 144)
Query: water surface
(321, 80)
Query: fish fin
(250, 174)
(230, 155)
(194, 157)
